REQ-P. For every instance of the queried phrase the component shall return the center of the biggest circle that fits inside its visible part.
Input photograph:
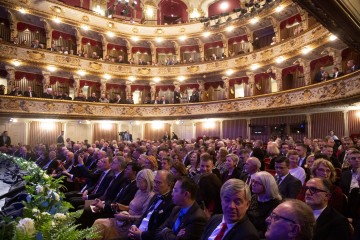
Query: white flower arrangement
(39, 189)
(26, 226)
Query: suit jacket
(339, 74)
(158, 217)
(177, 97)
(118, 101)
(243, 229)
(290, 186)
(260, 154)
(48, 95)
(345, 181)
(7, 141)
(113, 188)
(103, 186)
(331, 225)
(193, 222)
(235, 174)
(60, 139)
(15, 93)
(27, 94)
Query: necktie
(178, 220)
(222, 232)
(99, 182)
(248, 180)
(278, 180)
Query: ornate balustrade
(314, 38)
(335, 93)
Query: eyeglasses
(254, 182)
(276, 217)
(323, 170)
(355, 158)
(314, 190)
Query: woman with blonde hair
(265, 198)
(118, 226)
(221, 159)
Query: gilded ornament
(95, 65)
(56, 9)
(159, 31)
(79, 109)
(144, 71)
(131, 111)
(307, 95)
(34, 55)
(182, 30)
(106, 110)
(85, 18)
(228, 107)
(179, 111)
(67, 60)
(49, 106)
(7, 50)
(135, 30)
(12, 105)
(111, 25)
(193, 69)
(23, 106)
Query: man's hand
(134, 232)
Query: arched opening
(172, 12)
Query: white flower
(35, 210)
(56, 196)
(59, 216)
(39, 189)
(26, 226)
(45, 176)
(45, 213)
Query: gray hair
(269, 183)
(233, 186)
(148, 175)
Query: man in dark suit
(348, 178)
(292, 219)
(118, 100)
(302, 153)
(319, 75)
(159, 209)
(233, 224)
(195, 97)
(289, 186)
(187, 220)
(15, 91)
(5, 140)
(156, 100)
(351, 66)
(48, 94)
(336, 72)
(93, 98)
(163, 100)
(29, 92)
(177, 96)
(329, 223)
(346, 144)
(60, 139)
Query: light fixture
(14, 120)
(16, 62)
(206, 34)
(230, 28)
(156, 79)
(254, 20)
(110, 34)
(81, 73)
(224, 6)
(107, 76)
(332, 37)
(254, 66)
(157, 125)
(135, 38)
(182, 38)
(51, 68)
(180, 78)
(195, 14)
(306, 50)
(159, 39)
(209, 123)
(106, 125)
(22, 10)
(85, 27)
(56, 19)
(99, 10)
(279, 8)
(47, 124)
(149, 12)
(229, 72)
(131, 78)
(280, 59)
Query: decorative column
(251, 77)
(153, 91)
(104, 43)
(103, 86)
(13, 25)
(153, 52)
(226, 87)
(304, 18)
(150, 12)
(128, 49)
(201, 48)
(76, 85)
(10, 77)
(346, 121)
(128, 88)
(278, 77)
(307, 70)
(201, 89)
(276, 26)
(250, 38)
(336, 55)
(78, 39)
(46, 80)
(225, 43)
(48, 32)
(309, 126)
(177, 50)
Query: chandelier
(132, 3)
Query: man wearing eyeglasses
(330, 224)
(292, 219)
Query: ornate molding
(334, 92)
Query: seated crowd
(208, 188)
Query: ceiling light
(85, 27)
(206, 34)
(22, 10)
(279, 8)
(57, 20)
(110, 34)
(156, 79)
(332, 37)
(159, 39)
(182, 38)
(107, 76)
(131, 78)
(229, 72)
(180, 78)
(254, 66)
(254, 20)
(51, 68)
(135, 38)
(16, 63)
(280, 59)
(149, 11)
(306, 50)
(230, 28)
(81, 73)
(224, 6)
